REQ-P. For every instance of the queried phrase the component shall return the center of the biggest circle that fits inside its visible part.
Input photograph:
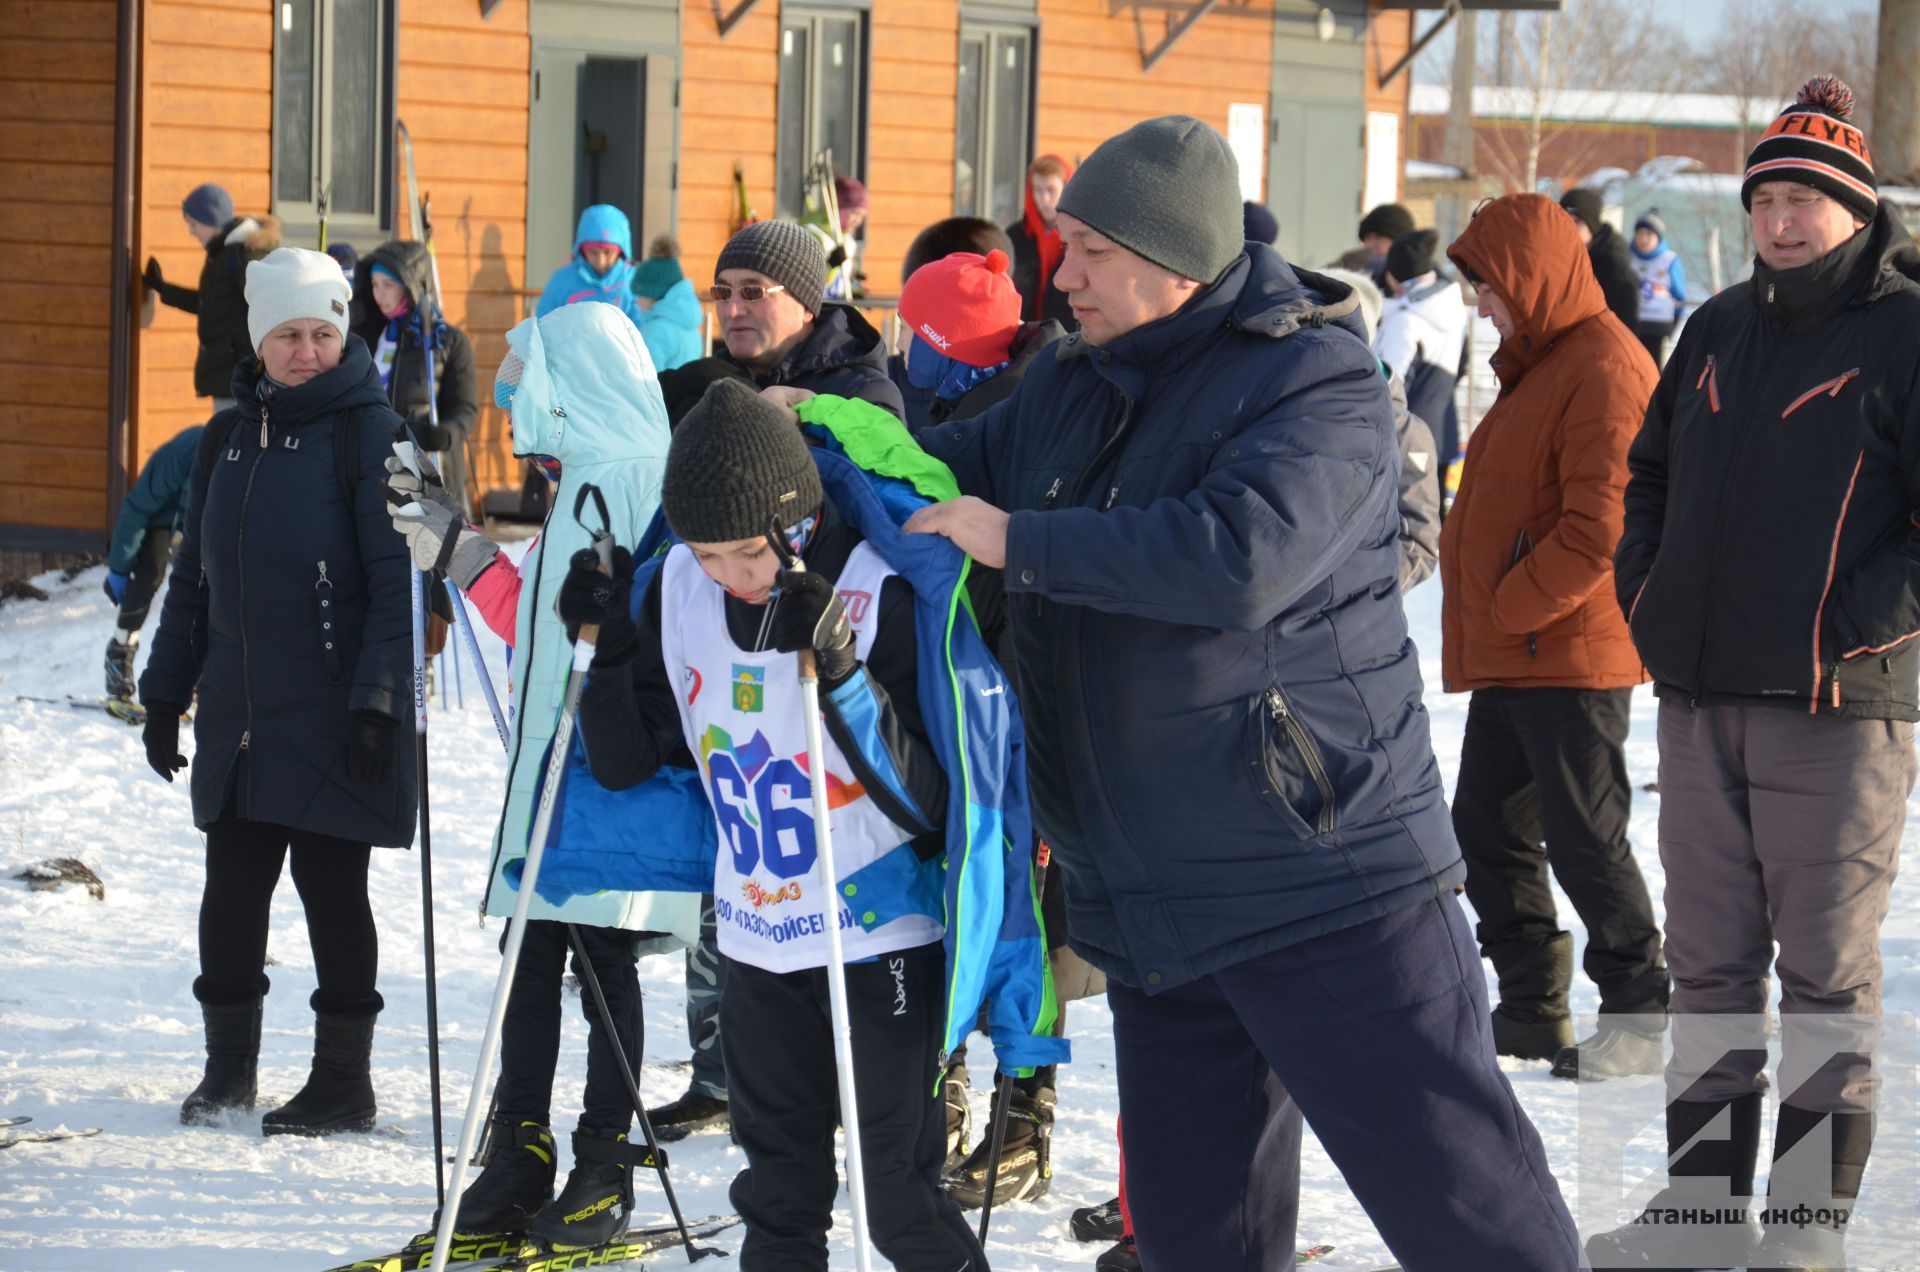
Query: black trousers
(1543, 785)
(530, 1037)
(1654, 335)
(243, 867)
(144, 583)
(776, 1030)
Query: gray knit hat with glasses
(788, 254)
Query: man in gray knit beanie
(768, 293)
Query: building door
(1316, 159)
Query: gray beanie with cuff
(1167, 189)
(736, 462)
(787, 253)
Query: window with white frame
(993, 129)
(823, 97)
(333, 111)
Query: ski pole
(523, 903)
(463, 623)
(830, 917)
(426, 869)
(1003, 1096)
(592, 978)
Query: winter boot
(1103, 1222)
(120, 664)
(1622, 1046)
(338, 1095)
(1810, 1192)
(233, 1058)
(691, 1112)
(1709, 1171)
(1026, 1158)
(1122, 1258)
(1530, 1022)
(515, 1184)
(597, 1203)
(954, 1092)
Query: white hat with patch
(293, 282)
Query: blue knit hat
(208, 204)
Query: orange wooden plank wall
(206, 77)
(1092, 86)
(463, 91)
(56, 231)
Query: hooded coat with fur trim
(220, 302)
(1225, 738)
(1526, 552)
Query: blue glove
(116, 586)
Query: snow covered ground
(98, 1028)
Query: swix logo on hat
(934, 338)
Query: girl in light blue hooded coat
(577, 280)
(585, 405)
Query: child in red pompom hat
(964, 312)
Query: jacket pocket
(1295, 770)
(329, 625)
(1831, 388)
(1522, 545)
(1710, 381)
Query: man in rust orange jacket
(1531, 627)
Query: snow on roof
(1423, 170)
(1698, 110)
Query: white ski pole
(517, 926)
(828, 883)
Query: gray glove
(436, 531)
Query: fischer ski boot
(597, 1203)
(691, 1112)
(515, 1184)
(954, 1091)
(1103, 1222)
(338, 1095)
(1026, 1159)
(120, 684)
(233, 1060)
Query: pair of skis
(510, 1252)
(125, 710)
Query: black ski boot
(690, 1113)
(1709, 1172)
(1103, 1222)
(954, 1091)
(1122, 1258)
(1026, 1159)
(597, 1203)
(233, 1059)
(515, 1184)
(120, 666)
(338, 1095)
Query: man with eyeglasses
(768, 294)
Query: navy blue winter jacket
(842, 355)
(269, 537)
(1225, 734)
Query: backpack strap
(346, 455)
(212, 442)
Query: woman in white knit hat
(289, 612)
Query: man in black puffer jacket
(1608, 253)
(219, 304)
(1770, 572)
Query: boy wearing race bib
(709, 664)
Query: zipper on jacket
(1309, 752)
(1710, 379)
(1831, 388)
(1053, 492)
(1820, 607)
(246, 662)
(1107, 453)
(1112, 495)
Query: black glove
(153, 277)
(590, 598)
(432, 437)
(370, 748)
(162, 738)
(808, 615)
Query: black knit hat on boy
(1584, 205)
(1389, 220)
(1166, 189)
(1412, 254)
(788, 254)
(736, 462)
(1815, 143)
